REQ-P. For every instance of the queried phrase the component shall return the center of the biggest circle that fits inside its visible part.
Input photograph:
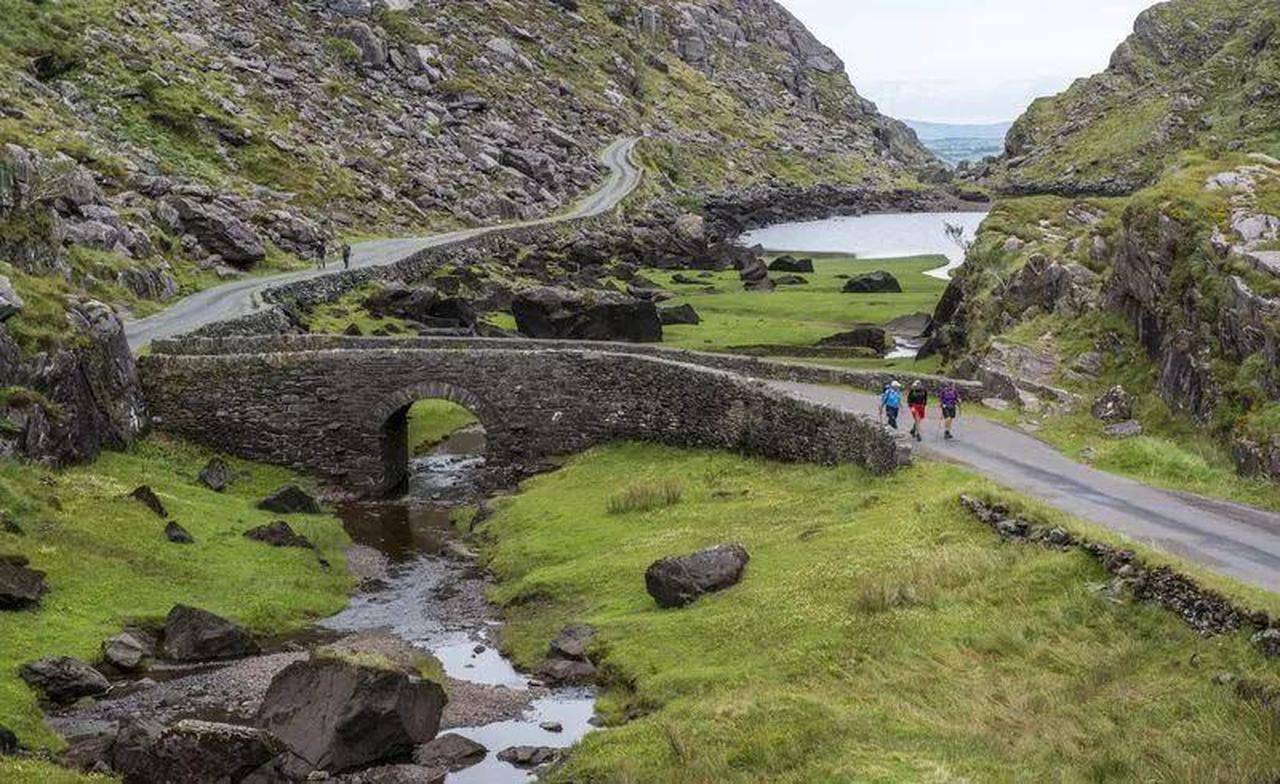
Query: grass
(108, 562)
(880, 634)
(646, 497)
(432, 421)
(798, 315)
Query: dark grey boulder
(216, 475)
(20, 586)
(753, 271)
(192, 634)
(450, 751)
(861, 336)
(62, 679)
(676, 581)
(290, 500)
(176, 534)
(567, 662)
(148, 498)
(340, 716)
(1128, 429)
(1116, 405)
(195, 751)
(395, 774)
(278, 534)
(791, 280)
(572, 642)
(8, 742)
(878, 282)
(217, 230)
(679, 314)
(10, 526)
(127, 651)
(791, 264)
(529, 756)
(561, 314)
(567, 672)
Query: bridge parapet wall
(327, 410)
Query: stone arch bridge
(336, 407)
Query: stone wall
(752, 367)
(337, 409)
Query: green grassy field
(432, 421)
(880, 635)
(798, 315)
(108, 561)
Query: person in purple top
(950, 400)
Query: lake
(889, 235)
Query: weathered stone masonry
(340, 411)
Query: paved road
(242, 297)
(1231, 539)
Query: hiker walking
(324, 254)
(346, 255)
(949, 397)
(891, 403)
(918, 402)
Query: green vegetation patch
(432, 421)
(880, 634)
(108, 561)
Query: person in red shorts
(918, 402)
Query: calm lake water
(890, 235)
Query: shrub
(646, 496)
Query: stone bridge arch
(389, 417)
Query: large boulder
(290, 499)
(679, 314)
(676, 581)
(878, 282)
(127, 651)
(1116, 405)
(529, 756)
(216, 475)
(373, 52)
(144, 495)
(341, 715)
(63, 679)
(195, 751)
(561, 314)
(216, 229)
(20, 586)
(861, 336)
(450, 751)
(192, 634)
(791, 264)
(567, 661)
(278, 534)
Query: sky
(967, 61)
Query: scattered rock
(1269, 641)
(278, 534)
(63, 680)
(1129, 429)
(561, 314)
(290, 500)
(1115, 405)
(878, 282)
(451, 751)
(996, 404)
(680, 314)
(216, 475)
(791, 280)
(338, 716)
(861, 336)
(8, 742)
(10, 303)
(551, 726)
(791, 264)
(148, 498)
(395, 774)
(126, 651)
(194, 751)
(216, 230)
(20, 586)
(567, 672)
(176, 534)
(10, 526)
(528, 756)
(192, 634)
(1088, 364)
(572, 642)
(676, 581)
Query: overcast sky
(967, 60)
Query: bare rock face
(217, 230)
(339, 716)
(677, 581)
(191, 634)
(195, 751)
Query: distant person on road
(891, 403)
(949, 397)
(324, 254)
(918, 402)
(346, 255)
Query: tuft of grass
(880, 633)
(108, 562)
(646, 497)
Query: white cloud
(970, 61)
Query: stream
(433, 598)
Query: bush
(646, 496)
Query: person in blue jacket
(891, 403)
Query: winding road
(241, 297)
(1232, 539)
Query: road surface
(1231, 539)
(242, 297)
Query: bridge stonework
(336, 407)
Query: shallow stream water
(433, 598)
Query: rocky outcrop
(196, 751)
(278, 534)
(677, 581)
(878, 282)
(339, 716)
(862, 336)
(192, 635)
(62, 679)
(595, 315)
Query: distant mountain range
(954, 142)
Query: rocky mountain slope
(1142, 240)
(154, 148)
(1195, 74)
